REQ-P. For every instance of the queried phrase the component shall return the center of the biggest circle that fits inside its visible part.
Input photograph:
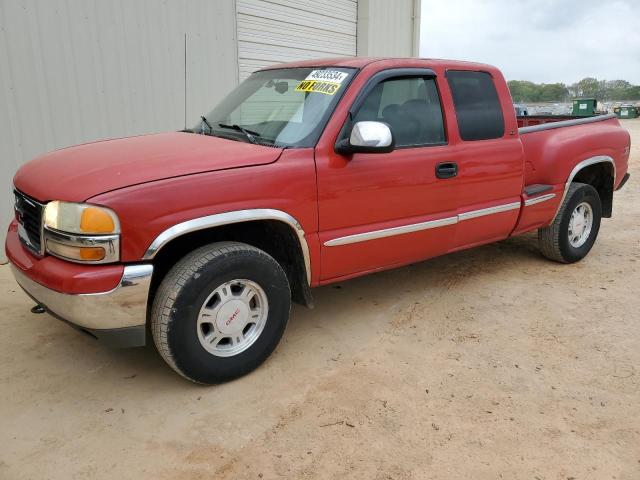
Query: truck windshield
(283, 107)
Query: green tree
(616, 89)
(553, 92)
(587, 87)
(633, 93)
(523, 91)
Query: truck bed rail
(551, 123)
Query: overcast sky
(539, 40)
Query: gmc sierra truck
(306, 174)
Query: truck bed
(553, 147)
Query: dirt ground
(485, 364)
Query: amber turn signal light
(96, 220)
(91, 253)
(76, 253)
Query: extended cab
(306, 174)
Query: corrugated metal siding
(388, 29)
(275, 31)
(73, 71)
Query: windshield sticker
(328, 88)
(322, 81)
(328, 76)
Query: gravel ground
(485, 364)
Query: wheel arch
(274, 231)
(600, 173)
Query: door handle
(446, 170)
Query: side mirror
(367, 137)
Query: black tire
(554, 239)
(185, 289)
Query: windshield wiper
(206, 122)
(250, 134)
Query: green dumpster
(584, 107)
(626, 111)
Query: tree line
(525, 91)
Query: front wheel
(575, 229)
(220, 312)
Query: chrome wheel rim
(232, 317)
(580, 225)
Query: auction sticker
(322, 81)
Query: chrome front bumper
(117, 317)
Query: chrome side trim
(228, 218)
(542, 198)
(488, 211)
(565, 123)
(417, 227)
(124, 306)
(388, 232)
(580, 166)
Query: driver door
(380, 210)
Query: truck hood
(77, 173)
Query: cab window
(477, 105)
(410, 106)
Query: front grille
(29, 216)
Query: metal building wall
(276, 31)
(74, 71)
(388, 28)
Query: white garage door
(276, 31)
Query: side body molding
(417, 227)
(227, 218)
(583, 164)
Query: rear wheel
(220, 312)
(575, 229)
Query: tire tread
(167, 292)
(549, 237)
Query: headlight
(81, 232)
(80, 218)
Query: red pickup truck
(306, 174)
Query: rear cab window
(477, 105)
